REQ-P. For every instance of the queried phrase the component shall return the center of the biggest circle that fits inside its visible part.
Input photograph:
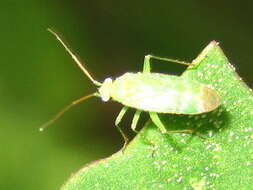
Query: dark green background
(38, 78)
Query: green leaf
(218, 156)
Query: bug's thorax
(104, 90)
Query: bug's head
(104, 90)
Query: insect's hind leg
(156, 120)
(117, 121)
(147, 66)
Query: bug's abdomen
(163, 93)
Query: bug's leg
(135, 120)
(117, 121)
(133, 126)
(147, 67)
(156, 120)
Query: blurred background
(38, 77)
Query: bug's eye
(104, 90)
(105, 97)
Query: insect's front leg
(117, 121)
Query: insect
(150, 92)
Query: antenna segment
(59, 114)
(74, 57)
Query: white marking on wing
(158, 101)
(186, 98)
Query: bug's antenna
(59, 114)
(78, 62)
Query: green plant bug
(150, 92)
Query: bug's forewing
(163, 93)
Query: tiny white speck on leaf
(179, 180)
(248, 163)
